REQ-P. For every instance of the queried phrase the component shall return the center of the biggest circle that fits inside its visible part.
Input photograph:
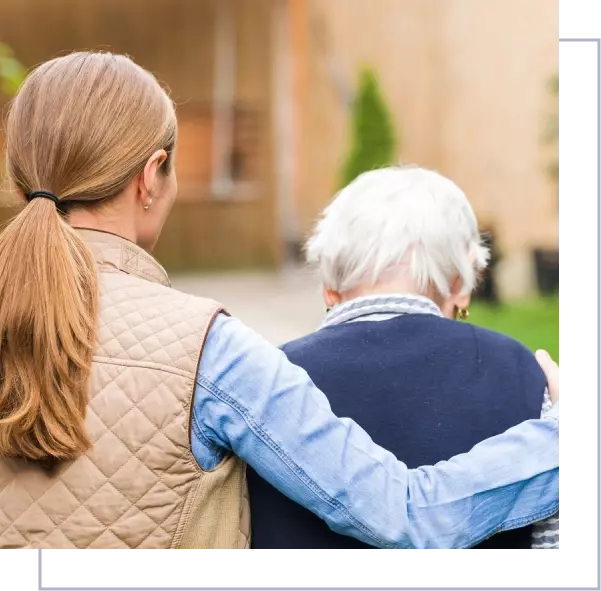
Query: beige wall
(466, 81)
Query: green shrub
(11, 71)
(372, 134)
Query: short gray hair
(398, 216)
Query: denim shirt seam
(268, 440)
(212, 447)
(514, 523)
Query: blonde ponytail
(49, 302)
(81, 127)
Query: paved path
(281, 306)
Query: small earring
(147, 206)
(463, 313)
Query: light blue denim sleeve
(545, 534)
(252, 401)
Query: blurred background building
(467, 83)
(266, 90)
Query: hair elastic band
(43, 195)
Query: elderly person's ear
(457, 303)
(331, 298)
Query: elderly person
(399, 254)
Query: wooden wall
(175, 40)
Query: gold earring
(147, 206)
(463, 313)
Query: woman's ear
(456, 301)
(331, 298)
(149, 176)
(461, 300)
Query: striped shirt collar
(380, 307)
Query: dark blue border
(597, 43)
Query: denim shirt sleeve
(250, 400)
(545, 534)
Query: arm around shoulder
(252, 401)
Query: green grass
(535, 323)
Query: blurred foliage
(534, 323)
(12, 72)
(486, 289)
(551, 132)
(372, 135)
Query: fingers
(551, 370)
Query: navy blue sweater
(425, 388)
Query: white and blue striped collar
(380, 307)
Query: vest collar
(114, 252)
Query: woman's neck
(104, 221)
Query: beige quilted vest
(139, 486)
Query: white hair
(398, 217)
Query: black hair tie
(44, 195)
